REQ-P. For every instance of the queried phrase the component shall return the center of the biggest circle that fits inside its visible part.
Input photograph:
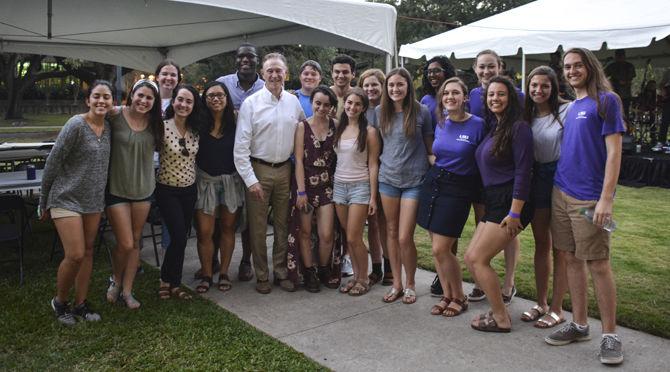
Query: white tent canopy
(140, 33)
(544, 25)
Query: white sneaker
(347, 269)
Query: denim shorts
(347, 193)
(398, 192)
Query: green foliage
(640, 253)
(162, 335)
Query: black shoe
(84, 312)
(324, 274)
(436, 288)
(63, 313)
(312, 282)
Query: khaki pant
(276, 183)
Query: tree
(22, 71)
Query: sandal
(439, 307)
(204, 285)
(374, 278)
(359, 289)
(507, 299)
(533, 314)
(552, 321)
(224, 283)
(164, 291)
(452, 311)
(409, 296)
(488, 324)
(347, 287)
(392, 295)
(181, 294)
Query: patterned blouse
(177, 156)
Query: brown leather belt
(273, 165)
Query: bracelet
(302, 193)
(514, 215)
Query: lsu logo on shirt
(581, 115)
(463, 138)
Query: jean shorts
(398, 192)
(348, 193)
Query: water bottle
(609, 226)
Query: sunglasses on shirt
(182, 143)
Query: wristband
(514, 215)
(302, 193)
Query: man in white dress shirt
(263, 144)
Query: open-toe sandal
(439, 307)
(408, 296)
(488, 324)
(533, 314)
(549, 320)
(347, 287)
(359, 289)
(204, 285)
(392, 295)
(181, 294)
(224, 283)
(456, 307)
(164, 291)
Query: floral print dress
(319, 161)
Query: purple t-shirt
(431, 103)
(455, 145)
(515, 166)
(581, 167)
(475, 104)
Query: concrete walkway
(348, 333)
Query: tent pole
(523, 72)
(119, 84)
(49, 14)
(388, 63)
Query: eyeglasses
(213, 96)
(435, 71)
(184, 150)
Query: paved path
(347, 333)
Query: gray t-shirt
(404, 161)
(131, 169)
(547, 136)
(75, 174)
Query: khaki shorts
(60, 213)
(571, 232)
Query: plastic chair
(14, 208)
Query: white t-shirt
(547, 136)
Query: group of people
(328, 159)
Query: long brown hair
(410, 106)
(555, 101)
(503, 133)
(596, 81)
(439, 109)
(362, 120)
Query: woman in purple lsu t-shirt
(449, 188)
(488, 65)
(505, 159)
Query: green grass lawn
(33, 120)
(640, 255)
(162, 335)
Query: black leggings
(176, 206)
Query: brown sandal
(452, 311)
(179, 293)
(347, 287)
(439, 308)
(488, 324)
(359, 289)
(164, 291)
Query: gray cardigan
(75, 174)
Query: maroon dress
(319, 161)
